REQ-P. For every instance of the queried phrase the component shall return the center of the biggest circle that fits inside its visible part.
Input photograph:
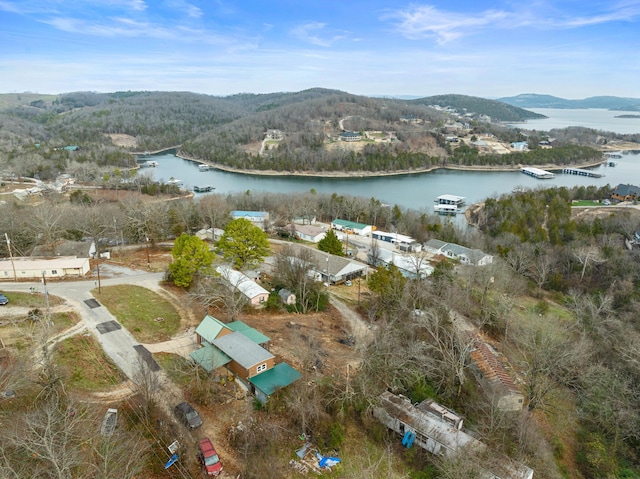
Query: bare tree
(294, 268)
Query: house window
(262, 367)
(54, 271)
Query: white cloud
(312, 33)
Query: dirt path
(359, 328)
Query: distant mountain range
(533, 100)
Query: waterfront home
(624, 192)
(350, 136)
(403, 242)
(465, 255)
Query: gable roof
(278, 377)
(251, 333)
(349, 224)
(242, 350)
(209, 328)
(626, 190)
(241, 282)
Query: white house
(351, 227)
(258, 218)
(35, 268)
(453, 251)
(310, 233)
(412, 266)
(248, 287)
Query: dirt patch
(126, 141)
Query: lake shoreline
(375, 174)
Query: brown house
(625, 193)
(247, 358)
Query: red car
(209, 457)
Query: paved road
(117, 342)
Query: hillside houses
(255, 293)
(243, 351)
(440, 431)
(465, 255)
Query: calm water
(417, 191)
(598, 119)
(409, 191)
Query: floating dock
(444, 209)
(203, 189)
(538, 173)
(578, 171)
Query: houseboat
(150, 163)
(444, 209)
(450, 200)
(172, 181)
(203, 189)
(204, 167)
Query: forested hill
(497, 110)
(532, 100)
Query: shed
(286, 296)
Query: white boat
(445, 209)
(204, 167)
(151, 163)
(174, 182)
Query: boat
(203, 189)
(172, 181)
(450, 200)
(150, 163)
(204, 167)
(444, 209)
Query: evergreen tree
(331, 244)
(244, 244)
(190, 256)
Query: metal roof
(278, 377)
(210, 327)
(242, 350)
(349, 224)
(251, 333)
(210, 357)
(242, 282)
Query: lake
(415, 191)
(596, 118)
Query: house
(309, 233)
(36, 268)
(241, 350)
(411, 266)
(624, 192)
(404, 243)
(465, 255)
(332, 269)
(287, 297)
(498, 385)
(210, 234)
(78, 249)
(519, 145)
(440, 431)
(257, 218)
(255, 293)
(274, 135)
(351, 227)
(350, 136)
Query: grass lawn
(586, 203)
(85, 366)
(147, 315)
(36, 300)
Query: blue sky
(571, 49)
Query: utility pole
(148, 257)
(13, 266)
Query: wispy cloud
(318, 34)
(427, 21)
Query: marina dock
(538, 173)
(578, 171)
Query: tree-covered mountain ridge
(533, 100)
(290, 131)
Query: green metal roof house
(351, 227)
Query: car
(189, 416)
(3, 299)
(209, 457)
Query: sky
(572, 49)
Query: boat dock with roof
(537, 173)
(578, 171)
